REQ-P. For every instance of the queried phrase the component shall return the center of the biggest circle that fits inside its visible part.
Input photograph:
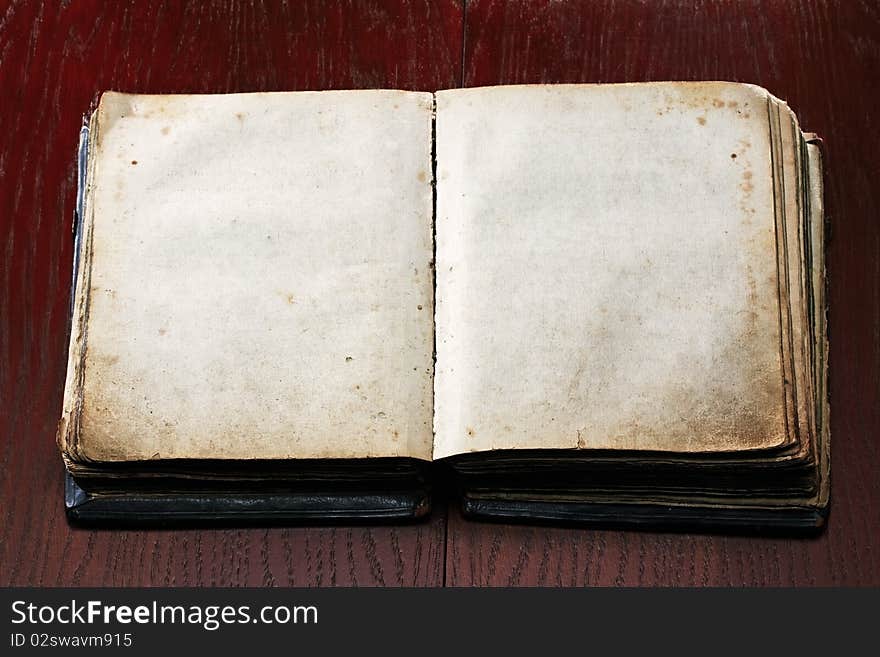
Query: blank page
(606, 269)
(260, 283)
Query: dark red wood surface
(56, 57)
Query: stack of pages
(591, 302)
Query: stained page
(260, 281)
(606, 269)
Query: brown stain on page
(746, 184)
(754, 300)
(704, 96)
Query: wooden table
(55, 59)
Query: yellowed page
(260, 277)
(606, 269)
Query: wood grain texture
(55, 59)
(822, 57)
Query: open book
(593, 302)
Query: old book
(591, 302)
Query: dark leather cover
(787, 520)
(241, 506)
